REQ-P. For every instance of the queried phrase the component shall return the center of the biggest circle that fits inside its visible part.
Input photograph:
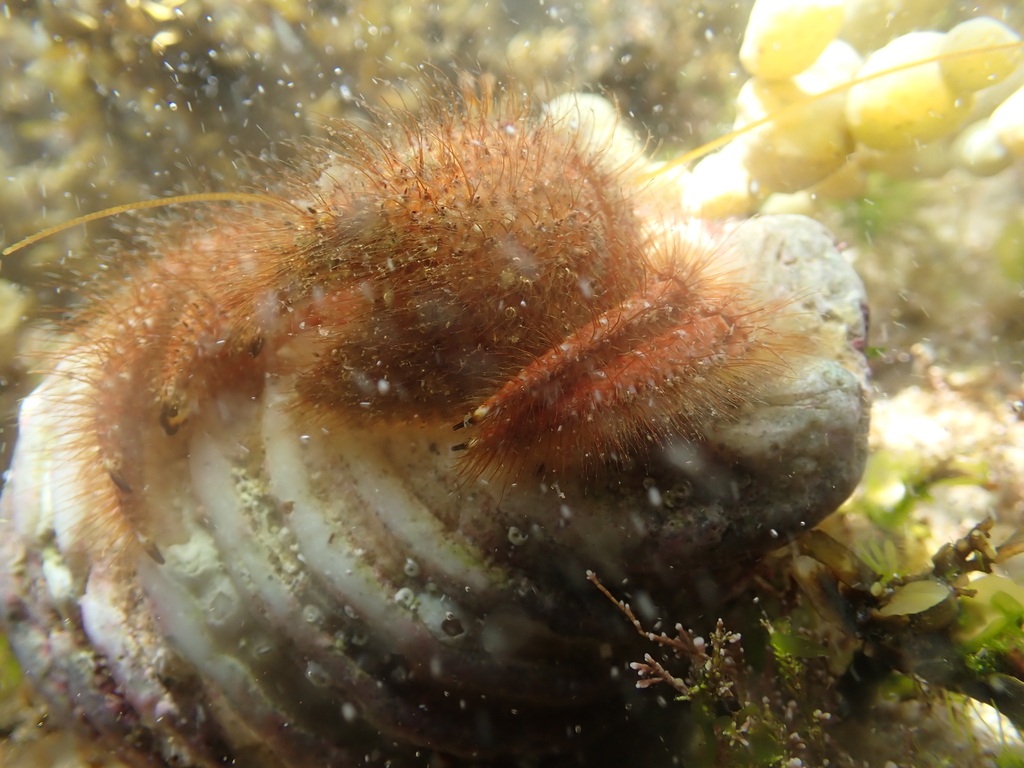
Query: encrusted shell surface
(329, 597)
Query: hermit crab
(320, 480)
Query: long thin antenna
(202, 197)
(721, 141)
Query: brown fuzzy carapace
(479, 265)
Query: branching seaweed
(845, 644)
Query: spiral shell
(329, 596)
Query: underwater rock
(979, 150)
(719, 186)
(968, 73)
(810, 140)
(905, 108)
(1008, 123)
(784, 37)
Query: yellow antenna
(711, 146)
(721, 141)
(202, 197)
